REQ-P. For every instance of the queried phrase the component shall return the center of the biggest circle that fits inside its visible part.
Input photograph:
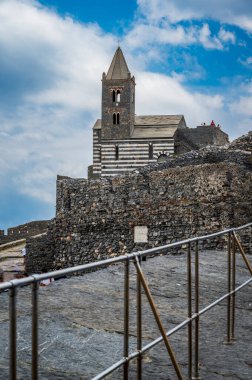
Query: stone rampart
(195, 194)
(23, 231)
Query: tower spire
(118, 68)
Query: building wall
(96, 172)
(131, 154)
(96, 219)
(125, 108)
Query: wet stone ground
(81, 323)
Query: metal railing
(193, 317)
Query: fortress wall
(96, 219)
(23, 231)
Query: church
(123, 141)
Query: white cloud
(243, 106)
(226, 11)
(247, 62)
(166, 95)
(144, 35)
(207, 41)
(226, 36)
(51, 69)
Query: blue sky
(188, 57)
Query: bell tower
(118, 100)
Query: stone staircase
(11, 260)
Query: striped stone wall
(113, 157)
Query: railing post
(233, 287)
(158, 320)
(242, 253)
(139, 325)
(229, 261)
(189, 309)
(13, 333)
(196, 332)
(126, 319)
(35, 287)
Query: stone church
(123, 141)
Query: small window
(118, 118)
(118, 96)
(114, 118)
(113, 95)
(117, 152)
(150, 151)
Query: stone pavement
(81, 323)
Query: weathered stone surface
(23, 231)
(243, 143)
(195, 138)
(81, 322)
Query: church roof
(158, 120)
(118, 68)
(151, 126)
(148, 126)
(97, 124)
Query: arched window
(114, 118)
(118, 118)
(113, 95)
(162, 158)
(150, 151)
(117, 152)
(118, 96)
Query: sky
(188, 57)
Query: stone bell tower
(118, 100)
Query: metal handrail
(103, 263)
(193, 317)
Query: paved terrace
(81, 323)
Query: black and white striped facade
(113, 157)
(123, 142)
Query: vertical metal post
(189, 309)
(242, 253)
(158, 320)
(126, 320)
(13, 333)
(229, 258)
(196, 332)
(233, 288)
(35, 287)
(139, 325)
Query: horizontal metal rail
(233, 242)
(103, 263)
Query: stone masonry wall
(199, 137)
(204, 192)
(24, 230)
